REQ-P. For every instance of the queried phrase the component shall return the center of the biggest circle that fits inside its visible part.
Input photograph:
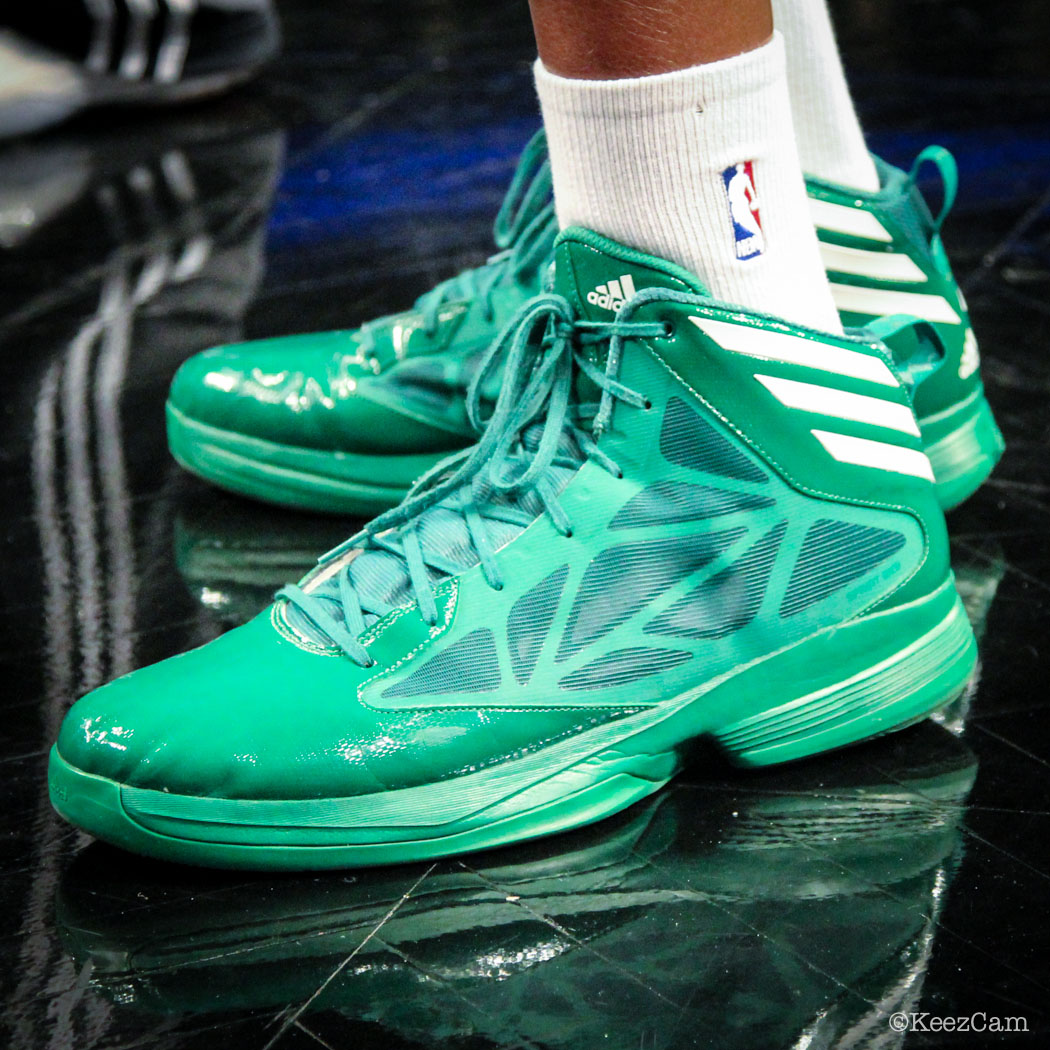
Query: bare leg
(614, 39)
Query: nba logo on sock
(743, 210)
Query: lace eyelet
(669, 330)
(567, 534)
(648, 406)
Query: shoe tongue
(598, 275)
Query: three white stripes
(627, 291)
(874, 264)
(818, 399)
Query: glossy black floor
(793, 908)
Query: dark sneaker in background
(59, 57)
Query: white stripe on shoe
(881, 302)
(796, 350)
(881, 266)
(854, 222)
(878, 454)
(172, 52)
(810, 397)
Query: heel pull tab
(915, 346)
(945, 164)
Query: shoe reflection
(121, 253)
(793, 908)
(233, 555)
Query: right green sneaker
(884, 255)
(685, 520)
(345, 421)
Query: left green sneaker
(345, 421)
(682, 520)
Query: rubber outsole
(577, 781)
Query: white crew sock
(669, 163)
(830, 142)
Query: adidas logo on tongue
(613, 295)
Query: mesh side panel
(529, 621)
(623, 666)
(441, 532)
(726, 602)
(623, 579)
(689, 441)
(669, 501)
(379, 575)
(834, 554)
(467, 666)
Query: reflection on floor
(797, 907)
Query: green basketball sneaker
(345, 421)
(682, 520)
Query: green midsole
(95, 804)
(967, 451)
(310, 479)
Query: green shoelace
(525, 229)
(538, 434)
